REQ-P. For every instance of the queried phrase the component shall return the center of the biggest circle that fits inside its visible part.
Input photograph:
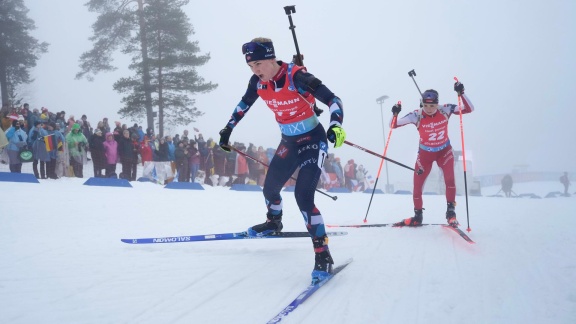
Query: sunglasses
(251, 47)
(430, 97)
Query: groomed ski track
(70, 267)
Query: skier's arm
(241, 109)
(307, 82)
(245, 103)
(410, 118)
(467, 106)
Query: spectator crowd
(62, 146)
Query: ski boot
(323, 260)
(273, 224)
(412, 221)
(451, 214)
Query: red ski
(460, 232)
(453, 228)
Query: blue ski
(303, 296)
(219, 237)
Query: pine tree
(155, 34)
(19, 51)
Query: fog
(515, 58)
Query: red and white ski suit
(434, 146)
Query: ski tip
(342, 265)
(348, 261)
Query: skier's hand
(459, 88)
(225, 138)
(396, 109)
(336, 135)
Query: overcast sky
(515, 57)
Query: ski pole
(380, 167)
(266, 165)
(420, 171)
(463, 157)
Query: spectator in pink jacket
(111, 152)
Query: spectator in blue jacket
(17, 139)
(58, 141)
(33, 117)
(171, 148)
(36, 142)
(141, 134)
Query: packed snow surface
(62, 260)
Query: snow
(62, 260)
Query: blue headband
(255, 51)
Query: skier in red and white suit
(432, 123)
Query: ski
(220, 237)
(311, 289)
(460, 232)
(453, 228)
(377, 225)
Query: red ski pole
(463, 158)
(381, 162)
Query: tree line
(155, 34)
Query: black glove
(225, 138)
(459, 88)
(396, 109)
